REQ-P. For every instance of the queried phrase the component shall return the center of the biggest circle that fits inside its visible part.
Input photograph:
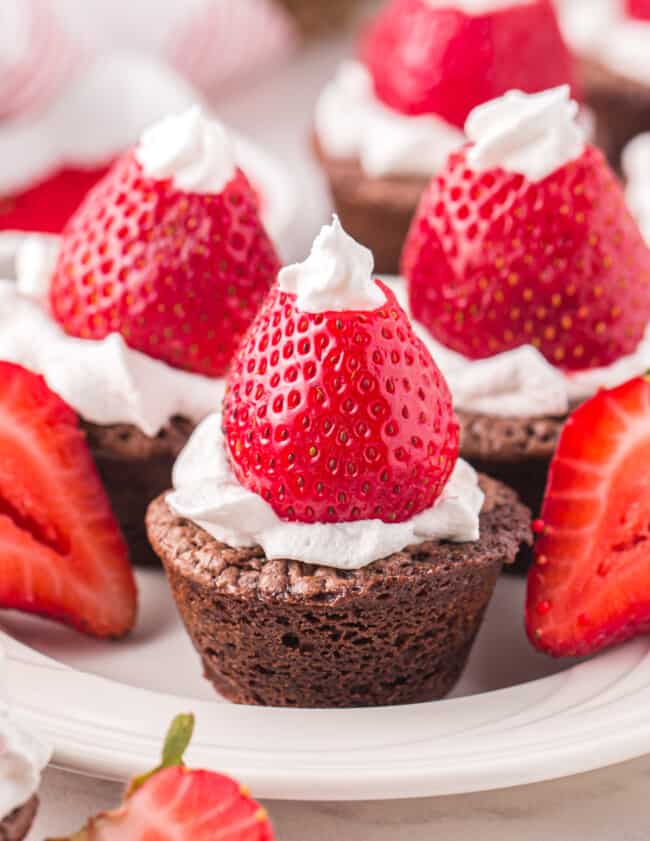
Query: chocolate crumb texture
(283, 633)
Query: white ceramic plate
(515, 718)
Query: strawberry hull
(281, 633)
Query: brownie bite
(283, 633)
(135, 468)
(621, 106)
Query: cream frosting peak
(532, 134)
(192, 150)
(351, 122)
(209, 494)
(337, 275)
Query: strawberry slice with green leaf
(173, 803)
(590, 585)
(62, 554)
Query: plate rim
(614, 687)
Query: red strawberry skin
(334, 417)
(177, 804)
(63, 555)
(179, 275)
(639, 9)
(427, 60)
(494, 261)
(47, 206)
(590, 585)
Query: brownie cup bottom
(16, 825)
(517, 452)
(287, 634)
(135, 469)
(377, 212)
(621, 107)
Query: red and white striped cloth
(212, 43)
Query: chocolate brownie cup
(375, 210)
(283, 633)
(518, 451)
(16, 825)
(621, 107)
(135, 469)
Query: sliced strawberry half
(174, 803)
(62, 553)
(590, 585)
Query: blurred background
(81, 79)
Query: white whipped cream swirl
(207, 492)
(337, 275)
(532, 134)
(351, 122)
(636, 167)
(192, 150)
(602, 31)
(22, 757)
(106, 382)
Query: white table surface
(608, 805)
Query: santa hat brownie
(158, 275)
(524, 257)
(423, 66)
(323, 525)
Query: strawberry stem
(177, 739)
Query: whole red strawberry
(173, 803)
(436, 59)
(590, 585)
(339, 416)
(639, 9)
(63, 555)
(495, 261)
(179, 274)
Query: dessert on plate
(589, 587)
(206, 805)
(63, 555)
(158, 275)
(323, 543)
(636, 169)
(611, 41)
(22, 759)
(527, 268)
(388, 120)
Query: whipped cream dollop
(105, 381)
(636, 168)
(532, 134)
(601, 30)
(351, 122)
(192, 150)
(22, 757)
(522, 382)
(337, 275)
(207, 492)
